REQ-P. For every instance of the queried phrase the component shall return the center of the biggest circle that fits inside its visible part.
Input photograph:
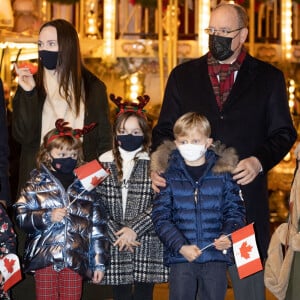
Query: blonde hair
(190, 121)
(69, 141)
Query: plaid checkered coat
(146, 263)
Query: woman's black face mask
(49, 59)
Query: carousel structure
(132, 45)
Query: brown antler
(86, 129)
(124, 106)
(61, 125)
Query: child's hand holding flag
(245, 251)
(90, 175)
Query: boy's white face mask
(192, 152)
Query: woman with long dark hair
(62, 88)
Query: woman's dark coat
(27, 123)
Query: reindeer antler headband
(124, 106)
(62, 130)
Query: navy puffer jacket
(186, 212)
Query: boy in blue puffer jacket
(200, 206)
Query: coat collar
(246, 75)
(225, 159)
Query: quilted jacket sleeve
(167, 231)
(234, 213)
(99, 253)
(29, 215)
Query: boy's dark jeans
(209, 279)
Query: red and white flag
(91, 174)
(245, 251)
(10, 270)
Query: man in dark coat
(4, 186)
(245, 101)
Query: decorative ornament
(124, 106)
(63, 130)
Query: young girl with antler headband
(136, 252)
(66, 239)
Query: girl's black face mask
(130, 142)
(64, 165)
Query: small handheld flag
(10, 270)
(91, 174)
(245, 251)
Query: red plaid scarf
(223, 85)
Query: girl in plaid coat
(136, 251)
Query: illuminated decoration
(134, 48)
(6, 14)
(291, 94)
(160, 48)
(25, 51)
(267, 15)
(134, 86)
(170, 24)
(203, 22)
(108, 55)
(91, 26)
(286, 32)
(44, 10)
(18, 45)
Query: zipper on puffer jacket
(196, 195)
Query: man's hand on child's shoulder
(157, 181)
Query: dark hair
(69, 65)
(69, 141)
(121, 120)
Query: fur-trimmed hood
(226, 162)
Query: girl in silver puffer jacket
(65, 225)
